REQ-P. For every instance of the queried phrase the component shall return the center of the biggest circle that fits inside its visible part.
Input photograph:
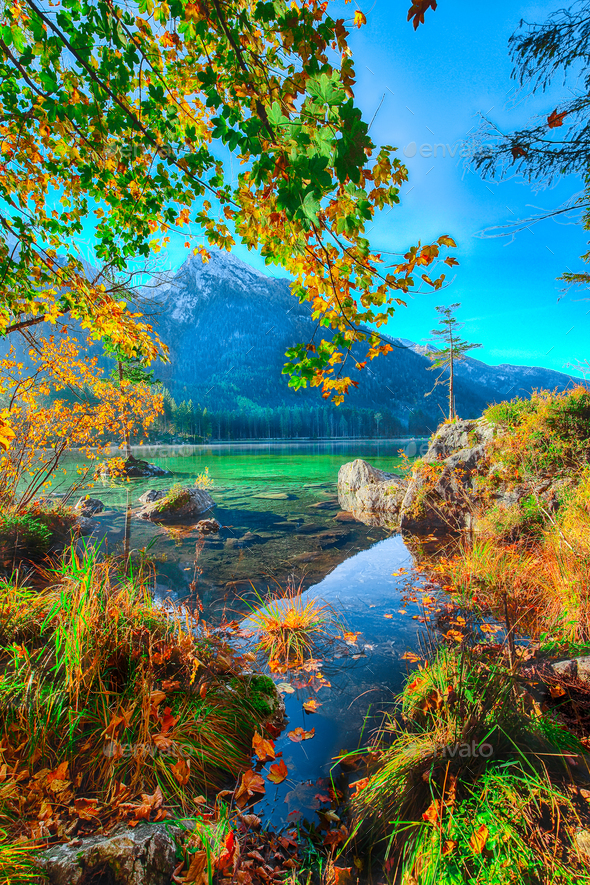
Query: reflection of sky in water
(363, 682)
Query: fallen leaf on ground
(358, 785)
(278, 773)
(298, 734)
(263, 748)
(181, 771)
(433, 813)
(448, 847)
(478, 840)
(197, 871)
(557, 691)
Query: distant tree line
(250, 421)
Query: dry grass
(289, 628)
(445, 814)
(105, 696)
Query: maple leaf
(251, 784)
(417, 10)
(478, 840)
(360, 19)
(298, 735)
(263, 748)
(278, 773)
(556, 119)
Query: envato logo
(412, 449)
(465, 750)
(116, 750)
(463, 149)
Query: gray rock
(566, 668)
(88, 506)
(573, 667)
(440, 495)
(247, 540)
(143, 855)
(363, 489)
(180, 505)
(152, 495)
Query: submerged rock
(208, 526)
(88, 506)
(142, 855)
(133, 467)
(369, 493)
(179, 504)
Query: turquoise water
(283, 500)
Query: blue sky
(431, 85)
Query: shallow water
(283, 498)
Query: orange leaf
(410, 656)
(448, 847)
(359, 785)
(263, 748)
(278, 773)
(298, 735)
(477, 843)
(554, 119)
(311, 705)
(455, 635)
(251, 783)
(59, 774)
(557, 691)
(168, 720)
(360, 18)
(182, 771)
(433, 813)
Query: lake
(281, 524)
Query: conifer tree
(451, 350)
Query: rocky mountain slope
(228, 327)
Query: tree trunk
(451, 379)
(125, 428)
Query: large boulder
(442, 492)
(370, 494)
(142, 855)
(178, 504)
